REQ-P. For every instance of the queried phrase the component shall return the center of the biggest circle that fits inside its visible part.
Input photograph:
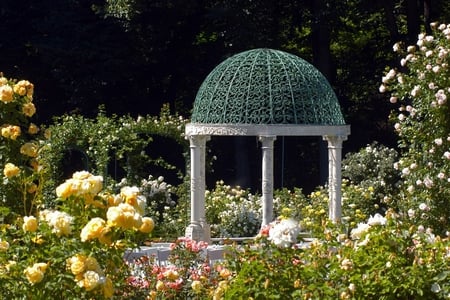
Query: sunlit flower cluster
(11, 131)
(35, 273)
(82, 184)
(284, 233)
(59, 221)
(232, 211)
(11, 170)
(89, 275)
(186, 274)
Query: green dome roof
(265, 86)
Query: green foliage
(110, 145)
(419, 89)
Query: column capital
(198, 139)
(334, 139)
(263, 138)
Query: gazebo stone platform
(264, 93)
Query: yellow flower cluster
(30, 224)
(10, 170)
(35, 273)
(4, 245)
(96, 228)
(60, 222)
(124, 216)
(89, 275)
(11, 131)
(81, 184)
(131, 195)
(124, 210)
(24, 88)
(29, 149)
(6, 91)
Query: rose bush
(76, 249)
(186, 275)
(420, 88)
(19, 147)
(382, 258)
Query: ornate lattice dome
(266, 86)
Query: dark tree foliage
(135, 55)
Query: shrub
(383, 258)
(373, 168)
(74, 250)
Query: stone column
(267, 178)
(334, 176)
(198, 229)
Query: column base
(198, 231)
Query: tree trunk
(412, 20)
(427, 15)
(388, 6)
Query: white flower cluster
(284, 233)
(360, 231)
(239, 218)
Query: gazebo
(264, 93)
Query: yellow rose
(196, 286)
(11, 131)
(4, 245)
(29, 149)
(11, 170)
(33, 128)
(91, 280)
(15, 132)
(160, 286)
(124, 216)
(147, 225)
(3, 80)
(35, 164)
(61, 222)
(24, 87)
(30, 224)
(65, 190)
(132, 196)
(6, 93)
(91, 264)
(35, 273)
(171, 274)
(20, 90)
(108, 288)
(152, 295)
(38, 240)
(28, 109)
(93, 229)
(94, 185)
(76, 264)
(105, 236)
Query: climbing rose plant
(420, 88)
